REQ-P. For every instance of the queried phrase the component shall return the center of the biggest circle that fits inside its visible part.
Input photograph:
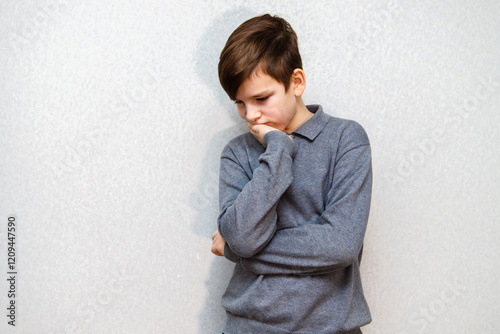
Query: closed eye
(262, 98)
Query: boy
(294, 195)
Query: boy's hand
(218, 244)
(259, 131)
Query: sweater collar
(314, 125)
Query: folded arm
(335, 240)
(248, 203)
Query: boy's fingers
(259, 130)
(218, 244)
(215, 249)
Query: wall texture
(111, 125)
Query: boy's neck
(302, 115)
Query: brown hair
(265, 42)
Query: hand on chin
(260, 130)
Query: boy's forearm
(248, 206)
(335, 240)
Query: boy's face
(261, 99)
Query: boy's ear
(298, 82)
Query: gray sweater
(294, 216)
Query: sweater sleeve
(247, 219)
(336, 239)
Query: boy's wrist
(277, 138)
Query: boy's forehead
(257, 83)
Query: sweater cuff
(230, 255)
(276, 139)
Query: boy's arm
(248, 204)
(335, 241)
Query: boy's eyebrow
(259, 94)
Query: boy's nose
(253, 114)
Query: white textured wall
(112, 121)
